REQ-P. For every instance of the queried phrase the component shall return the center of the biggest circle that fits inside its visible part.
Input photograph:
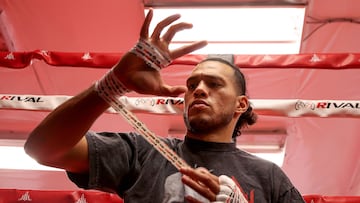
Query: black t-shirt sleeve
(112, 162)
(292, 195)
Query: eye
(214, 84)
(191, 86)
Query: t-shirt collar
(208, 146)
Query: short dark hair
(249, 117)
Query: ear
(242, 104)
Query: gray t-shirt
(126, 164)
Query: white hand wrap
(151, 54)
(109, 87)
(229, 191)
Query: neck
(217, 136)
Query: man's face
(211, 98)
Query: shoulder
(256, 160)
(132, 138)
(115, 141)
(172, 142)
(110, 136)
(258, 165)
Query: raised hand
(137, 75)
(214, 189)
(202, 181)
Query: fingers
(187, 49)
(199, 187)
(172, 91)
(161, 25)
(202, 181)
(139, 69)
(144, 33)
(168, 36)
(162, 42)
(192, 200)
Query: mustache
(198, 101)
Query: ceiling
(321, 152)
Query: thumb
(172, 91)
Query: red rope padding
(331, 199)
(68, 196)
(19, 60)
(57, 196)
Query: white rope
(174, 105)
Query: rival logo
(22, 98)
(326, 105)
(153, 102)
(170, 101)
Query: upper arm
(76, 160)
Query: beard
(208, 123)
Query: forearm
(64, 127)
(56, 140)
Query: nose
(201, 90)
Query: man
(125, 163)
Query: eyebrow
(211, 77)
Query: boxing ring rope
(174, 105)
(19, 60)
(89, 196)
(161, 105)
(167, 105)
